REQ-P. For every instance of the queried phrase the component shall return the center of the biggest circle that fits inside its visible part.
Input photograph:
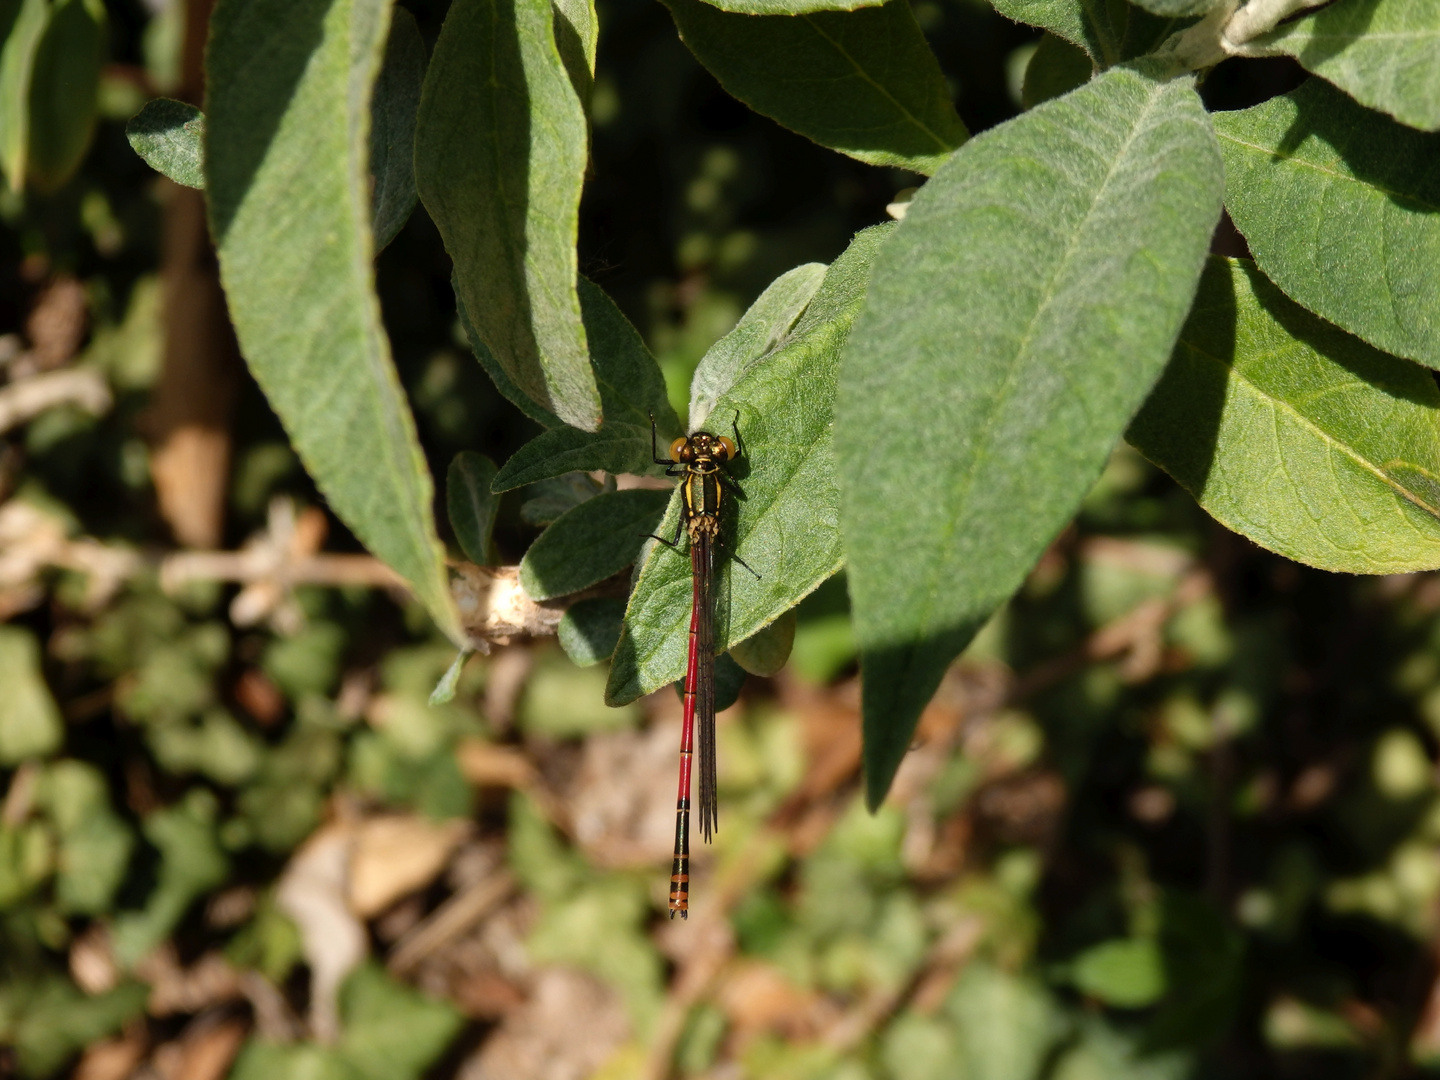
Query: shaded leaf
(792, 7)
(577, 33)
(786, 524)
(862, 82)
(1383, 53)
(1306, 440)
(1111, 31)
(499, 161)
(56, 1021)
(1177, 8)
(597, 539)
(1341, 209)
(589, 629)
(1025, 306)
(1056, 68)
(632, 390)
(471, 504)
(170, 136)
(392, 127)
(64, 85)
(1126, 972)
(765, 652)
(557, 495)
(759, 330)
(291, 217)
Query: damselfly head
(703, 446)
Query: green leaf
(1111, 31)
(471, 504)
(191, 864)
(1341, 208)
(1175, 9)
(56, 1021)
(589, 629)
(792, 7)
(597, 539)
(444, 691)
(1126, 972)
(862, 82)
(289, 195)
(170, 136)
(1015, 323)
(1008, 1025)
(1297, 435)
(1383, 53)
(95, 842)
(64, 84)
(765, 652)
(577, 33)
(30, 724)
(499, 160)
(17, 66)
(391, 1032)
(759, 330)
(632, 390)
(557, 495)
(786, 525)
(1056, 68)
(392, 127)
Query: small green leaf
(499, 160)
(170, 136)
(1056, 68)
(1008, 1024)
(30, 725)
(759, 330)
(632, 390)
(444, 691)
(291, 216)
(1306, 440)
(1127, 972)
(765, 652)
(1025, 306)
(589, 629)
(1383, 53)
(729, 681)
(1341, 209)
(392, 127)
(862, 82)
(597, 539)
(55, 1021)
(64, 84)
(391, 1032)
(786, 523)
(17, 66)
(1111, 31)
(471, 504)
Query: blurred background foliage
(1174, 814)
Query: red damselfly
(699, 460)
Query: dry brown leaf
(395, 855)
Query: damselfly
(699, 460)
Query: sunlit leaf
(170, 136)
(592, 542)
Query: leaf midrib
(1272, 153)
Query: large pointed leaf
(1384, 53)
(786, 522)
(1341, 208)
(64, 88)
(18, 47)
(762, 327)
(499, 161)
(598, 538)
(1015, 323)
(1290, 431)
(862, 82)
(392, 131)
(632, 389)
(289, 188)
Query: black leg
(655, 450)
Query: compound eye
(727, 448)
(680, 449)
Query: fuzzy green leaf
(289, 192)
(1383, 53)
(1294, 433)
(862, 82)
(170, 136)
(63, 92)
(632, 389)
(1341, 208)
(1056, 68)
(759, 330)
(1015, 323)
(598, 538)
(471, 504)
(786, 522)
(589, 629)
(499, 161)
